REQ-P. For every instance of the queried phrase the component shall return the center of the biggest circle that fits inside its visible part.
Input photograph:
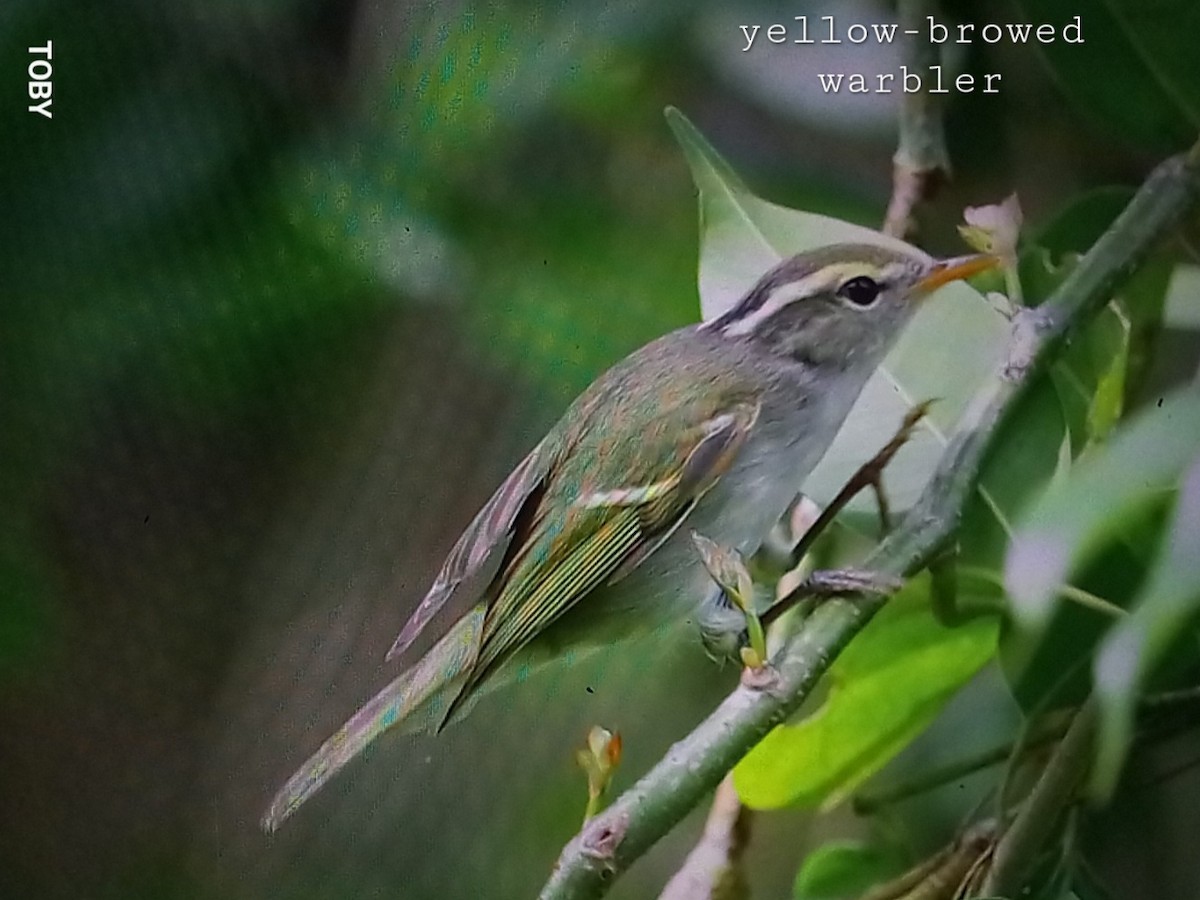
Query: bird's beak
(955, 269)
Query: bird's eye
(860, 290)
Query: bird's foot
(826, 584)
(727, 568)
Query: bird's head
(841, 305)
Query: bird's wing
(484, 542)
(608, 529)
(572, 516)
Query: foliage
(1151, 461)
(884, 690)
(275, 268)
(1055, 494)
(1157, 104)
(842, 869)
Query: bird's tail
(428, 688)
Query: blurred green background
(286, 287)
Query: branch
(944, 873)
(1024, 840)
(921, 161)
(711, 871)
(1057, 788)
(869, 804)
(1160, 717)
(694, 766)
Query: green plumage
(608, 441)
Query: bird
(714, 426)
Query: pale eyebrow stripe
(823, 279)
(893, 271)
(781, 297)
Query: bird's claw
(727, 568)
(827, 583)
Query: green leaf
(1093, 375)
(1135, 72)
(1134, 647)
(1098, 369)
(1113, 362)
(1093, 378)
(1025, 457)
(843, 869)
(1080, 223)
(1074, 518)
(1053, 664)
(1027, 454)
(742, 236)
(1123, 342)
(1163, 32)
(886, 687)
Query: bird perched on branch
(714, 425)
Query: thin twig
(1077, 595)
(694, 766)
(866, 804)
(921, 162)
(1162, 776)
(712, 870)
(941, 874)
(1025, 839)
(1033, 720)
(1047, 729)
(867, 475)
